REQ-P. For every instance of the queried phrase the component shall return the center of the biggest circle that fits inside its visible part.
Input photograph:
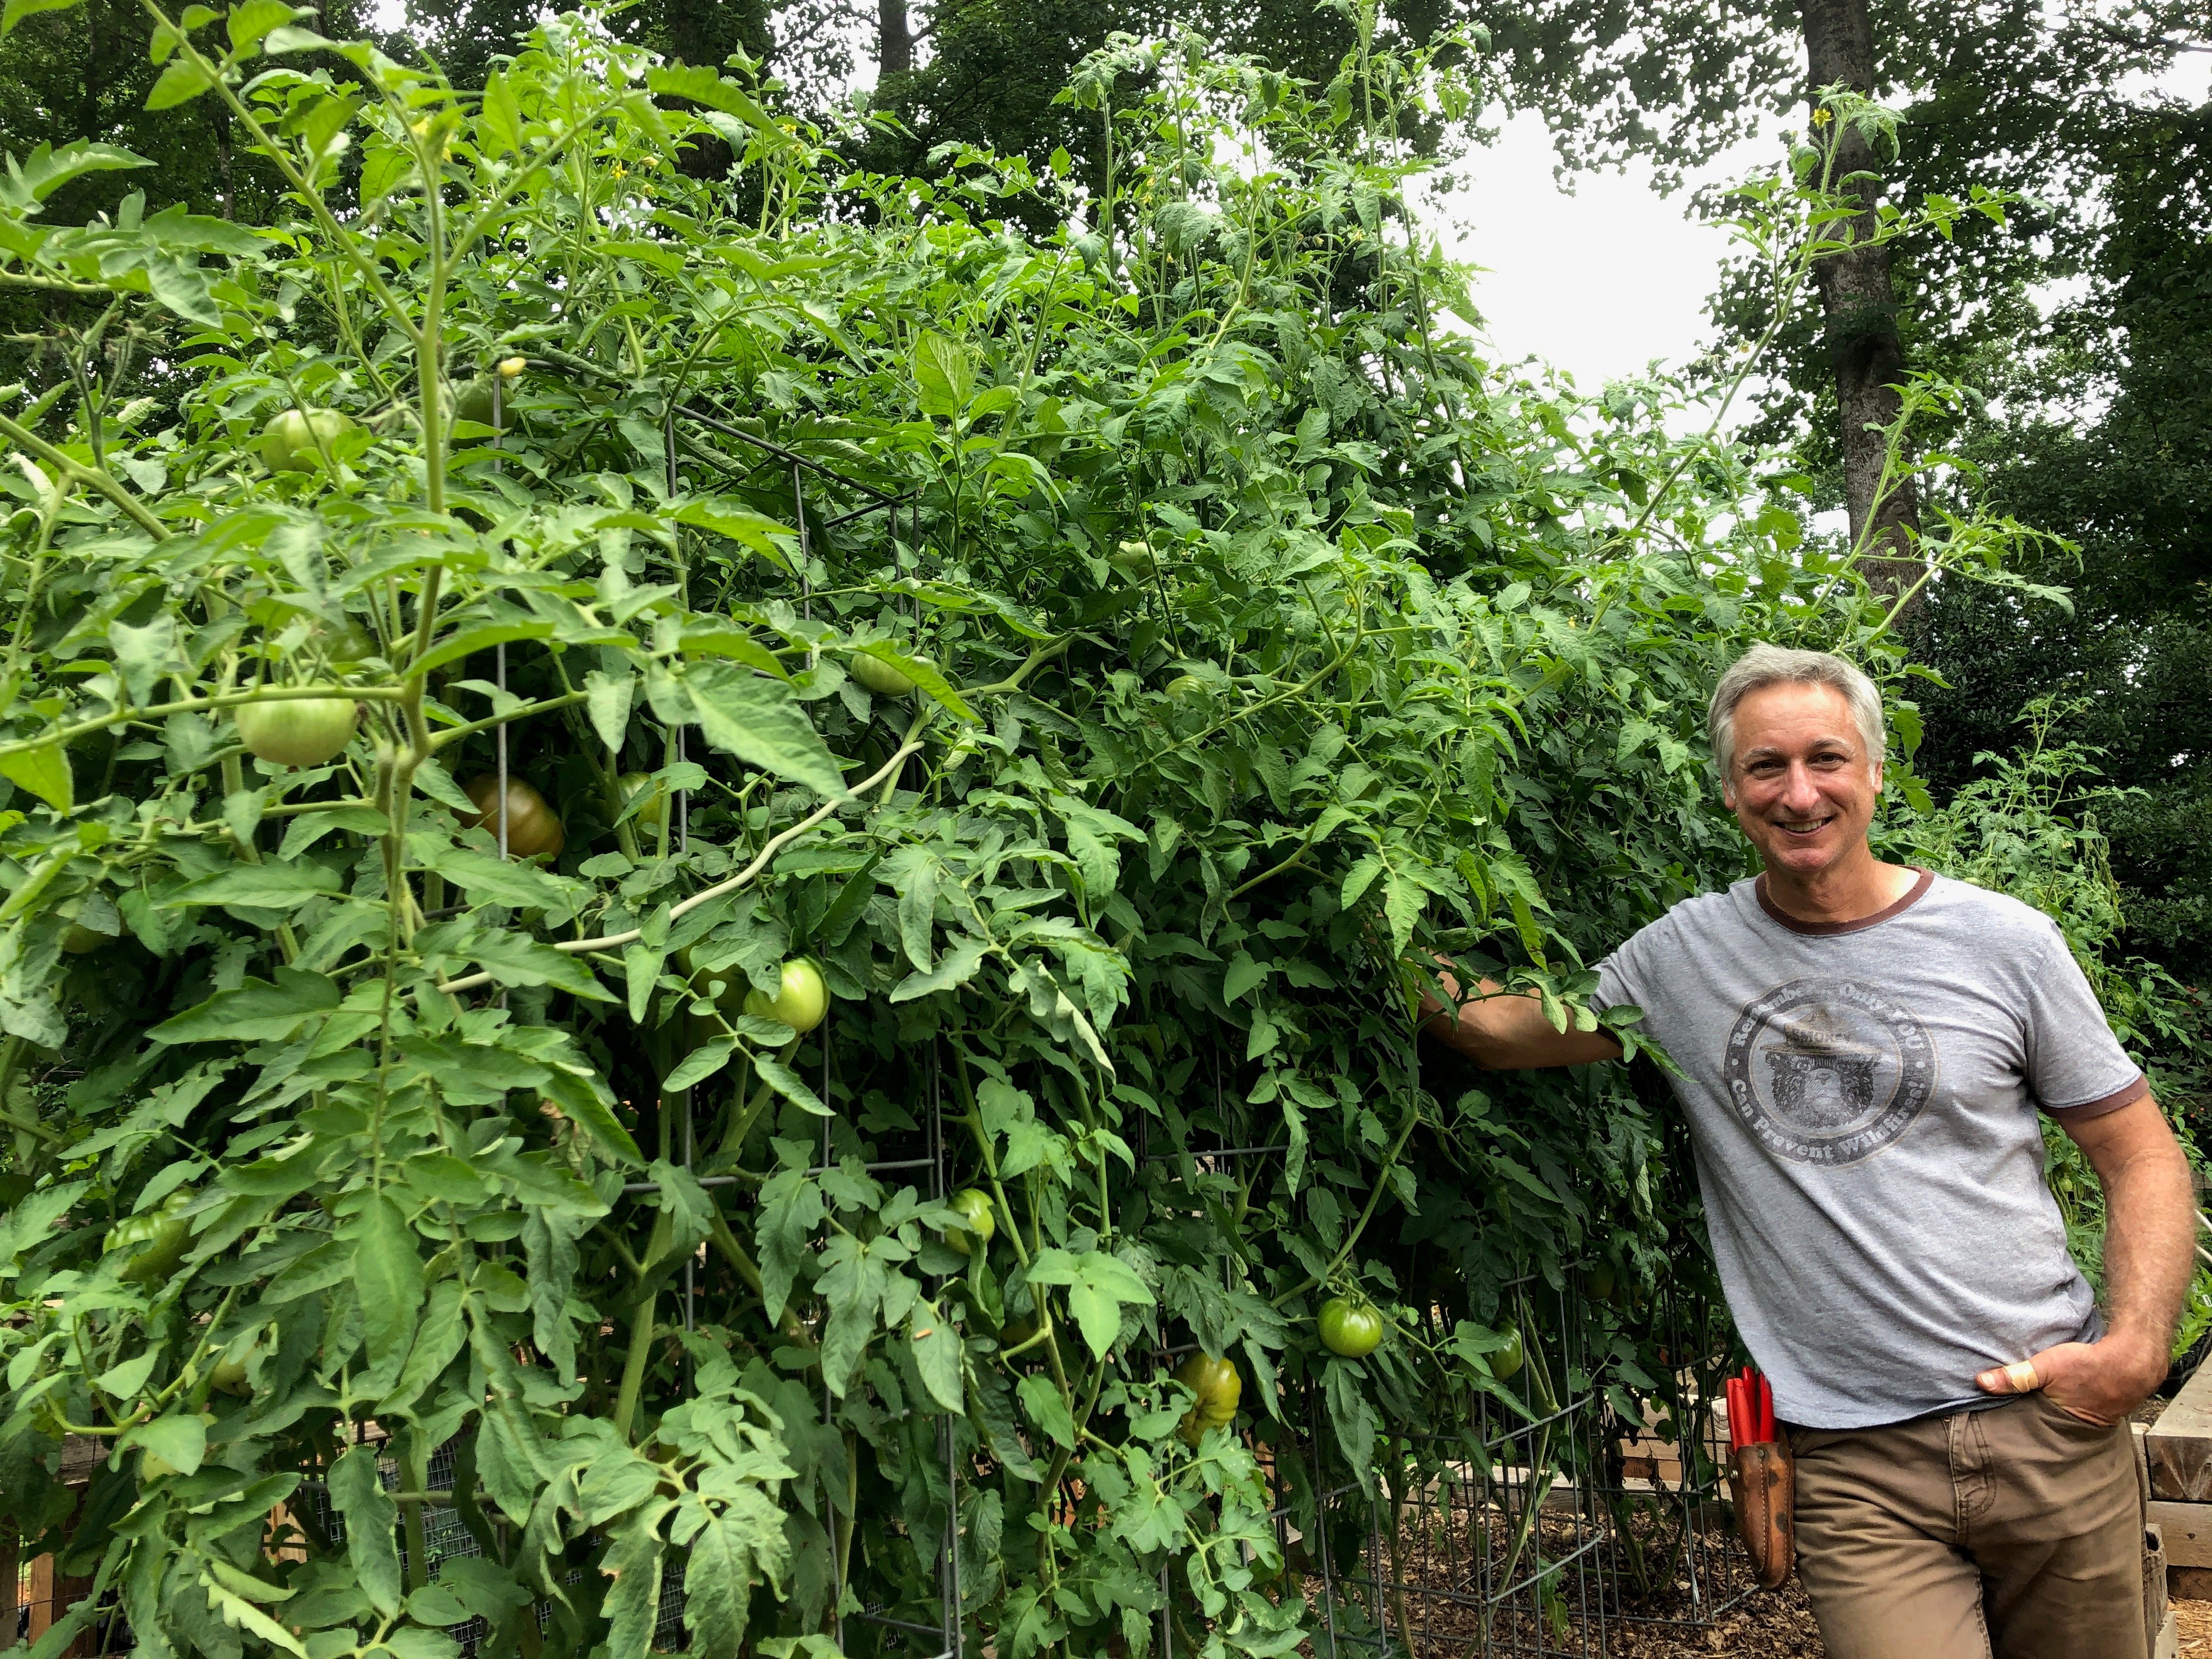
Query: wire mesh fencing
(1550, 1523)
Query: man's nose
(1799, 792)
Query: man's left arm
(2150, 1238)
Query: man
(1864, 1048)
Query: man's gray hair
(1772, 664)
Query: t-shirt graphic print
(1862, 1103)
(1828, 1072)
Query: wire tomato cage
(1552, 1521)
(444, 1534)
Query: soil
(1770, 1625)
(1783, 1623)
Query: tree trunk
(223, 158)
(1860, 307)
(893, 40)
(89, 124)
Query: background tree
(2106, 436)
(2094, 424)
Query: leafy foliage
(1235, 638)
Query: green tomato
(879, 677)
(1133, 557)
(152, 1466)
(1219, 1389)
(1601, 1282)
(978, 1220)
(472, 401)
(349, 643)
(1506, 1362)
(1187, 686)
(78, 940)
(1353, 1330)
(800, 1000)
(154, 1241)
(297, 731)
(288, 442)
(227, 1376)
(534, 829)
(653, 811)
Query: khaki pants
(2015, 1532)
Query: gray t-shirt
(1862, 1101)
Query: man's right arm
(1507, 1031)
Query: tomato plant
(406, 1148)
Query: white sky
(1598, 282)
(1602, 281)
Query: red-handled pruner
(1750, 1410)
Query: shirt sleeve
(1620, 978)
(2076, 1067)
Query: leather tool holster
(1763, 1482)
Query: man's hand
(2101, 1382)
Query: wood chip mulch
(1776, 1625)
(2194, 1620)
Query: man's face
(1802, 782)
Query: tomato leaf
(760, 721)
(631, 1604)
(1040, 1399)
(45, 771)
(257, 1011)
(260, 886)
(579, 1094)
(372, 1524)
(181, 83)
(123, 1381)
(702, 1063)
(936, 1354)
(789, 1083)
(943, 374)
(733, 1547)
(387, 1277)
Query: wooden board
(2179, 1445)
(2187, 1530)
